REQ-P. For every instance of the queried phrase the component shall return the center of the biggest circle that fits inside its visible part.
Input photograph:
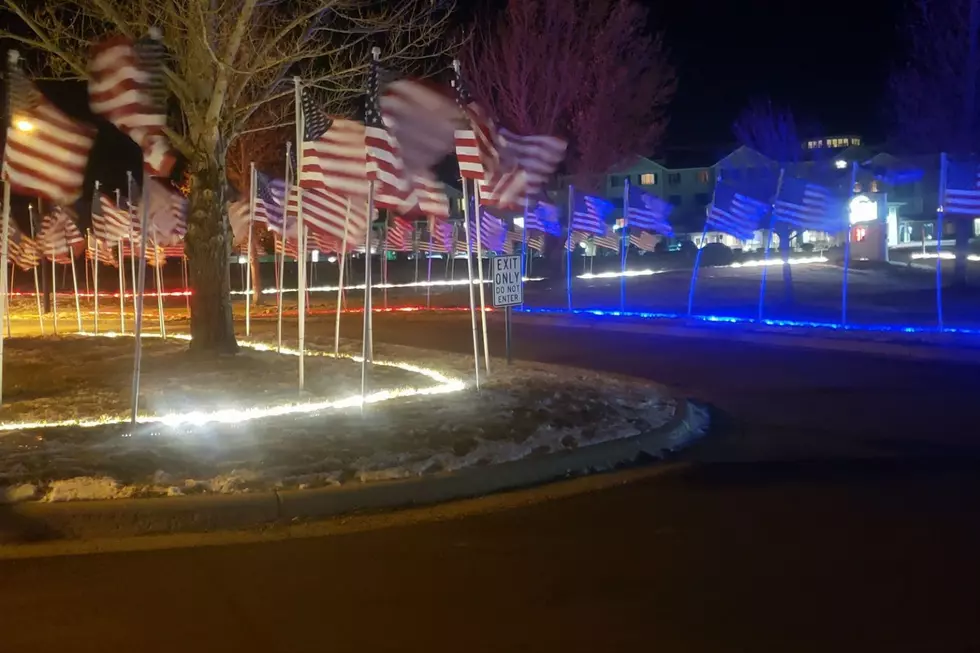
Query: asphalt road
(833, 509)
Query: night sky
(827, 60)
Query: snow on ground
(521, 410)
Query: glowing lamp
(315, 256)
(862, 209)
(840, 164)
(24, 125)
(242, 260)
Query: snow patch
(88, 488)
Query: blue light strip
(731, 320)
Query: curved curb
(35, 522)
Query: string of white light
(443, 385)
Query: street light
(841, 164)
(23, 125)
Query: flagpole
(122, 281)
(4, 253)
(74, 283)
(415, 249)
(697, 256)
(479, 266)
(340, 283)
(138, 295)
(624, 245)
(6, 303)
(40, 262)
(282, 253)
(383, 267)
(185, 280)
(158, 282)
(469, 271)
(765, 258)
(568, 247)
(428, 265)
(367, 335)
(95, 282)
(940, 210)
(847, 254)
(54, 291)
(132, 237)
(524, 241)
(248, 252)
(300, 233)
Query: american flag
(526, 163)
(320, 242)
(576, 238)
(544, 218)
(21, 249)
(439, 237)
(59, 237)
(270, 195)
(109, 222)
(421, 119)
(476, 149)
(608, 240)
(493, 233)
(333, 152)
(734, 213)
(46, 152)
(643, 240)
(326, 212)
(384, 161)
(238, 221)
(962, 195)
(399, 235)
(167, 217)
(808, 206)
(644, 211)
(427, 198)
(589, 214)
(96, 248)
(126, 87)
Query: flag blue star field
(809, 207)
(962, 189)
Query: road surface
(833, 510)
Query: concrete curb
(947, 350)
(35, 522)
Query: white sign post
(508, 288)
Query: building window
(855, 141)
(617, 180)
(648, 179)
(459, 205)
(675, 200)
(703, 199)
(874, 186)
(674, 178)
(704, 176)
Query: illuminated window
(857, 187)
(860, 233)
(855, 141)
(648, 179)
(704, 176)
(874, 186)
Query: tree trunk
(208, 254)
(253, 255)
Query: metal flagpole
(765, 258)
(4, 252)
(469, 271)
(624, 245)
(524, 240)
(847, 254)
(415, 249)
(74, 283)
(428, 271)
(122, 290)
(158, 284)
(282, 254)
(132, 237)
(248, 253)
(568, 247)
(940, 210)
(185, 281)
(697, 257)
(383, 267)
(300, 234)
(95, 281)
(479, 265)
(54, 292)
(6, 305)
(367, 335)
(88, 235)
(340, 282)
(138, 299)
(37, 281)
(122, 281)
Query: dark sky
(828, 60)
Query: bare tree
(771, 131)
(584, 69)
(932, 95)
(229, 58)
